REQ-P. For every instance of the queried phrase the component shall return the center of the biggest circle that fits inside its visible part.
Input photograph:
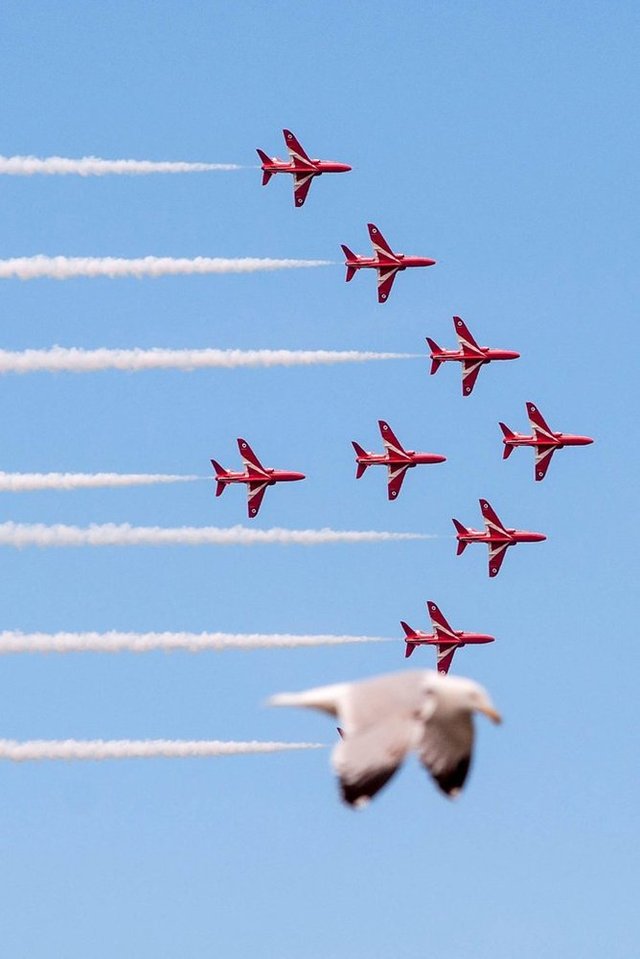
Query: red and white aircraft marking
(395, 458)
(543, 439)
(384, 260)
(497, 537)
(256, 476)
(472, 356)
(301, 166)
(444, 638)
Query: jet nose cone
(513, 355)
(298, 476)
(345, 168)
(439, 458)
(539, 537)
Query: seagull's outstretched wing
(445, 750)
(364, 761)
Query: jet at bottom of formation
(497, 537)
(444, 638)
(255, 475)
(383, 719)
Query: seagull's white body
(384, 718)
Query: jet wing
(445, 657)
(396, 476)
(543, 458)
(301, 184)
(391, 442)
(465, 339)
(492, 523)
(296, 152)
(386, 276)
(256, 491)
(497, 553)
(381, 248)
(538, 424)
(251, 462)
(470, 370)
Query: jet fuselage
(511, 536)
(558, 441)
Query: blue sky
(501, 139)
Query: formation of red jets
(395, 457)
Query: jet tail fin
(266, 175)
(220, 472)
(461, 530)
(508, 435)
(351, 270)
(361, 467)
(435, 362)
(409, 632)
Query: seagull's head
(477, 700)
(456, 693)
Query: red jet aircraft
(303, 168)
(472, 356)
(497, 537)
(396, 458)
(544, 441)
(256, 476)
(446, 639)
(384, 260)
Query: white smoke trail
(99, 749)
(65, 267)
(94, 166)
(112, 534)
(118, 642)
(74, 360)
(27, 482)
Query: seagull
(384, 718)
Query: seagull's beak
(492, 713)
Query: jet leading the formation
(444, 638)
(256, 476)
(497, 537)
(302, 167)
(384, 260)
(544, 441)
(472, 356)
(395, 458)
